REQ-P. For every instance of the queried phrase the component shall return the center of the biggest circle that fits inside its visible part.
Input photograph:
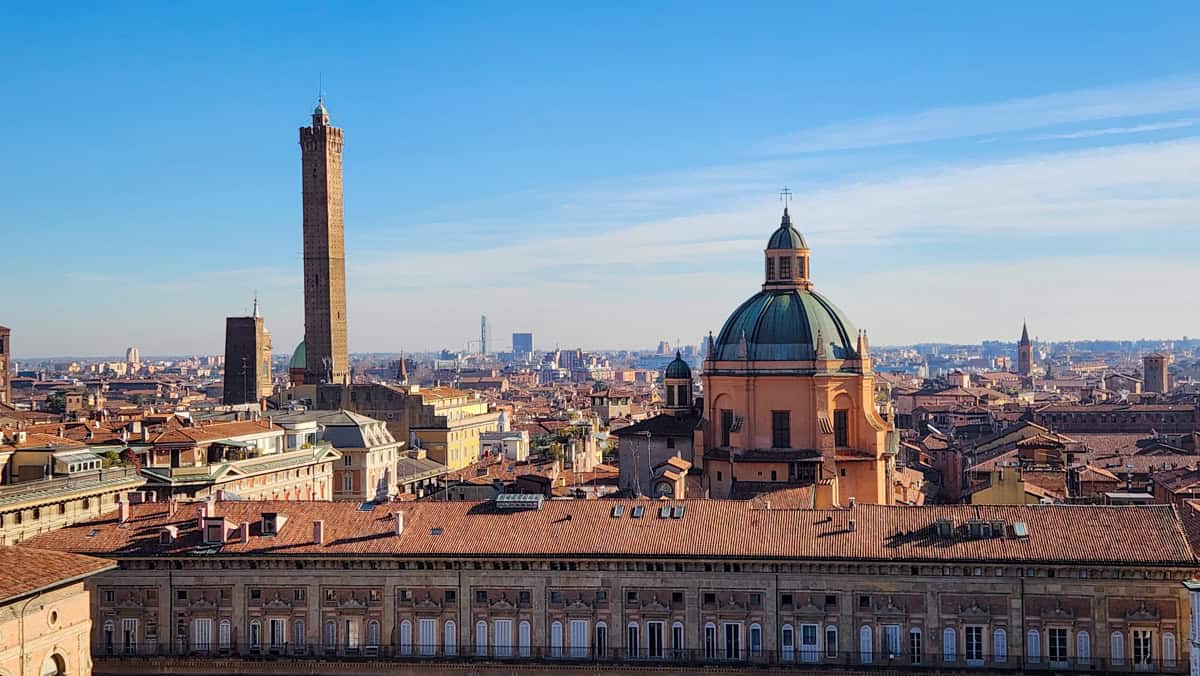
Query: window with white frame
(255, 635)
(787, 643)
(556, 638)
(756, 640)
(406, 637)
(1056, 644)
(1116, 647)
(298, 634)
(866, 647)
(450, 638)
(949, 645)
(891, 640)
(579, 638)
(201, 634)
(224, 630)
(710, 641)
(831, 641)
(1033, 646)
(601, 643)
(481, 638)
(915, 648)
(427, 636)
(1083, 647)
(1000, 645)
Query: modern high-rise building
(5, 366)
(1155, 376)
(247, 359)
(327, 359)
(133, 359)
(1025, 353)
(522, 345)
(484, 333)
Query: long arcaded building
(615, 581)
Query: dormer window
(272, 522)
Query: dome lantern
(786, 257)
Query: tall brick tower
(5, 366)
(324, 252)
(1025, 353)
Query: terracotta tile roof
(24, 570)
(35, 440)
(710, 528)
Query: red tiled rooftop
(24, 570)
(709, 528)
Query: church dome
(678, 368)
(299, 358)
(786, 236)
(784, 325)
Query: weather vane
(785, 195)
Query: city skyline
(939, 209)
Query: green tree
(56, 402)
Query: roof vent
(513, 502)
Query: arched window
(1083, 647)
(787, 643)
(255, 635)
(54, 665)
(601, 640)
(949, 645)
(556, 637)
(1000, 645)
(481, 643)
(633, 640)
(405, 637)
(109, 631)
(677, 643)
(330, 638)
(866, 648)
(450, 638)
(1116, 647)
(1033, 646)
(373, 637)
(525, 638)
(298, 639)
(831, 641)
(755, 640)
(1168, 649)
(710, 641)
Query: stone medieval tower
(324, 252)
(1025, 353)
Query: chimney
(151, 496)
(318, 532)
(145, 434)
(220, 495)
(201, 512)
(399, 523)
(850, 502)
(853, 526)
(123, 511)
(245, 531)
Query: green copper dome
(783, 325)
(786, 237)
(678, 368)
(299, 358)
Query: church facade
(789, 393)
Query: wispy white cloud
(1111, 131)
(1154, 97)
(607, 288)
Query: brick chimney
(318, 532)
(245, 532)
(399, 523)
(123, 511)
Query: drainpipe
(21, 630)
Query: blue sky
(602, 178)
